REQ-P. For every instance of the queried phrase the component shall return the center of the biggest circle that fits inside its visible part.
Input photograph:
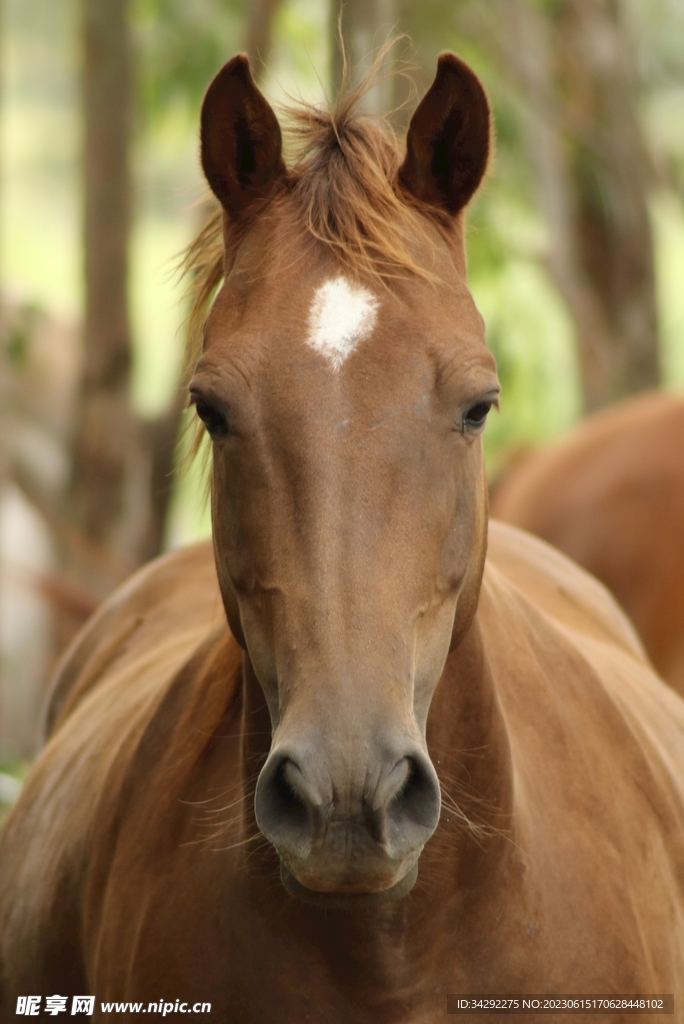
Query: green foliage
(657, 28)
(300, 47)
(668, 220)
(19, 328)
(180, 45)
(657, 31)
(12, 775)
(528, 327)
(17, 346)
(531, 336)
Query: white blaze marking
(341, 315)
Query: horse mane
(344, 181)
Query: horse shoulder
(574, 680)
(177, 591)
(573, 611)
(596, 740)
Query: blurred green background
(177, 49)
(588, 100)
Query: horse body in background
(611, 495)
(345, 763)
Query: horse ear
(240, 138)
(448, 141)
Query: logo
(29, 1006)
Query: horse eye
(476, 415)
(215, 422)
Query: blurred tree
(121, 465)
(104, 425)
(572, 63)
(260, 17)
(183, 43)
(2, 120)
(362, 26)
(576, 67)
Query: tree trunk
(574, 67)
(122, 466)
(3, 16)
(610, 172)
(105, 427)
(260, 17)
(363, 26)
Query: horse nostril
(281, 805)
(286, 787)
(415, 806)
(399, 816)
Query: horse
(610, 494)
(358, 755)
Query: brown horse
(339, 768)
(611, 495)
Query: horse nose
(287, 806)
(294, 803)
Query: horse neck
(469, 746)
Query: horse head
(345, 383)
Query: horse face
(348, 500)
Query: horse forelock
(345, 186)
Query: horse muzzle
(336, 839)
